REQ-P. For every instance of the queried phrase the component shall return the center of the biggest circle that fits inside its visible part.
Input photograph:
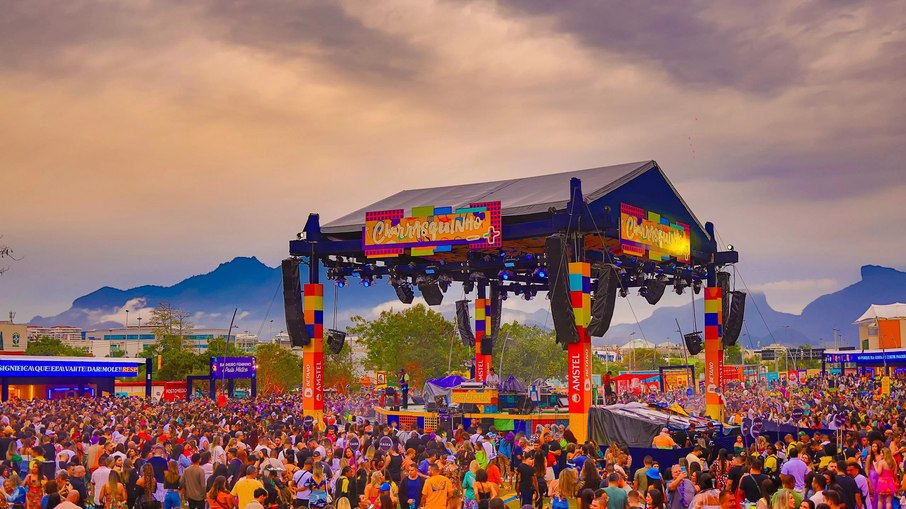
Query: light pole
(127, 321)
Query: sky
(142, 142)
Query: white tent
(638, 343)
(885, 311)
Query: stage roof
(884, 311)
(518, 197)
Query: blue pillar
(148, 372)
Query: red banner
(575, 377)
(732, 373)
(174, 391)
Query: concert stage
(417, 417)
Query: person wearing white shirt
(492, 380)
(99, 479)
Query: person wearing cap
(245, 488)
(404, 387)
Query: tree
(417, 339)
(279, 369)
(52, 347)
(340, 368)
(170, 325)
(5, 252)
(528, 352)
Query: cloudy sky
(142, 141)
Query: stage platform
(416, 416)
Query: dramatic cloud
(141, 141)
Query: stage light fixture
(468, 286)
(506, 275)
(403, 291)
(503, 294)
(367, 281)
(540, 273)
(697, 286)
(679, 285)
(623, 292)
(731, 247)
(341, 282)
(643, 290)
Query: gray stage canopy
(635, 424)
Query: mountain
(256, 290)
(815, 325)
(243, 283)
(662, 324)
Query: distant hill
(256, 289)
(244, 283)
(837, 310)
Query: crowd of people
(129, 453)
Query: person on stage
(404, 387)
(492, 379)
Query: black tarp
(605, 427)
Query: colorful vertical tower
(579, 354)
(313, 354)
(714, 353)
(482, 326)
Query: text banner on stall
(14, 367)
(232, 367)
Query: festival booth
(573, 235)
(33, 377)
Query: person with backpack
(301, 480)
(344, 487)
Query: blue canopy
(447, 382)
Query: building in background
(882, 327)
(63, 333)
(104, 342)
(13, 338)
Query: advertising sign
(646, 234)
(575, 377)
(475, 396)
(174, 391)
(732, 373)
(793, 377)
(10, 367)
(676, 377)
(233, 367)
(431, 229)
(867, 357)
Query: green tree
(52, 347)
(340, 368)
(417, 339)
(528, 352)
(279, 369)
